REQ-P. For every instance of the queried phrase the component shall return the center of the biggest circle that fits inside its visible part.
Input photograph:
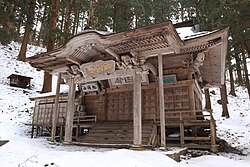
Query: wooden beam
(156, 52)
(112, 53)
(213, 134)
(56, 109)
(115, 74)
(137, 116)
(70, 111)
(161, 103)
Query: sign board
(98, 68)
(90, 87)
(169, 79)
(125, 80)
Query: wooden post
(192, 106)
(181, 130)
(70, 111)
(77, 131)
(32, 131)
(61, 133)
(207, 98)
(161, 103)
(137, 116)
(55, 112)
(213, 133)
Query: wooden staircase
(118, 133)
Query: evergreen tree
(47, 81)
(28, 28)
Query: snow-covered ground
(22, 151)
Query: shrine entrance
(139, 87)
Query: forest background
(49, 23)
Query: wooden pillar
(161, 103)
(207, 98)
(137, 116)
(32, 131)
(213, 134)
(70, 111)
(56, 109)
(61, 133)
(182, 130)
(77, 131)
(37, 130)
(192, 107)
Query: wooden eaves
(141, 43)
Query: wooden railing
(84, 119)
(189, 114)
(192, 118)
(153, 137)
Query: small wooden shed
(142, 87)
(20, 81)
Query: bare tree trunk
(223, 93)
(47, 81)
(34, 32)
(67, 17)
(182, 13)
(63, 19)
(28, 28)
(91, 14)
(247, 47)
(231, 77)
(238, 66)
(41, 32)
(197, 12)
(76, 21)
(232, 87)
(246, 73)
(207, 98)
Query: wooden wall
(177, 98)
(117, 104)
(94, 105)
(42, 114)
(120, 105)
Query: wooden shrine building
(20, 81)
(142, 87)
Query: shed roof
(12, 75)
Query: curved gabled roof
(142, 43)
(83, 46)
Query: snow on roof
(96, 31)
(15, 74)
(186, 33)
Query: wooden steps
(118, 133)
